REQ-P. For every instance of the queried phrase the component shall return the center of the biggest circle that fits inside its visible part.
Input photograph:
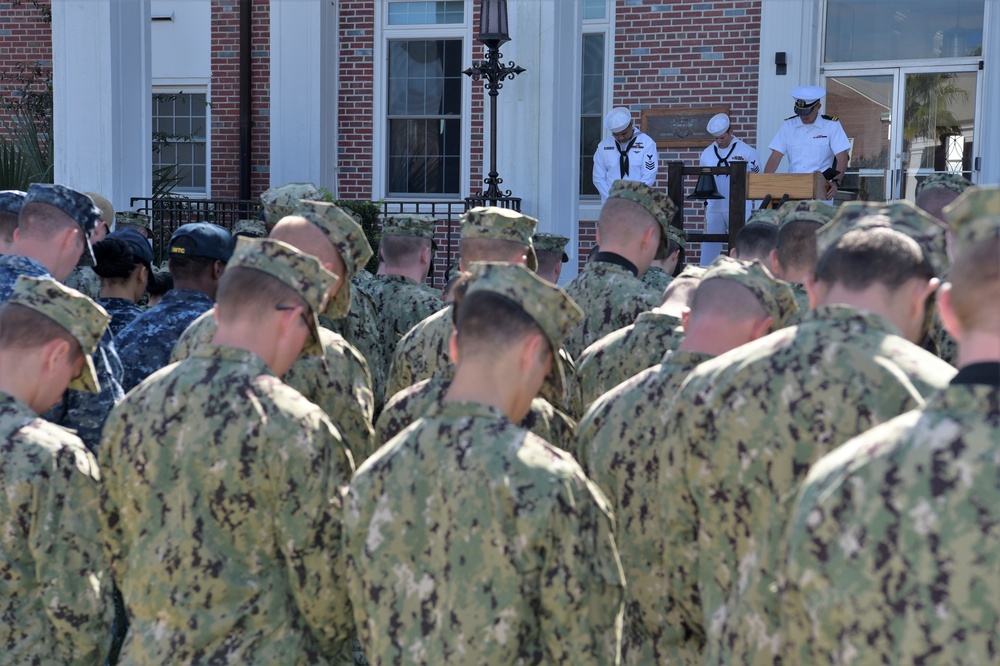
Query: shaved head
(306, 237)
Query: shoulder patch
(826, 117)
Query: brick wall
(224, 97)
(26, 36)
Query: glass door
(864, 105)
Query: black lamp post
(493, 32)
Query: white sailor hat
(618, 119)
(806, 97)
(718, 125)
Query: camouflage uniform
(401, 304)
(802, 300)
(624, 447)
(145, 344)
(122, 312)
(339, 383)
(85, 281)
(249, 228)
(626, 352)
(80, 411)
(55, 594)
(415, 401)
(656, 279)
(222, 503)
(753, 420)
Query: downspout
(246, 85)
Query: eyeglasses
(302, 314)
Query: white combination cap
(718, 125)
(806, 98)
(618, 119)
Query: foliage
(368, 214)
(26, 131)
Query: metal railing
(168, 213)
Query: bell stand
(737, 172)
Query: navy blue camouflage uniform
(122, 312)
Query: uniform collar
(979, 373)
(446, 409)
(23, 265)
(676, 358)
(213, 352)
(10, 405)
(617, 260)
(849, 315)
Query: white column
(988, 131)
(538, 121)
(102, 97)
(303, 92)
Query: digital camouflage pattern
(623, 448)
(130, 218)
(955, 182)
(401, 304)
(495, 223)
(414, 402)
(85, 281)
(146, 343)
(894, 541)
(974, 216)
(654, 201)
(363, 281)
(611, 298)
(249, 228)
(339, 382)
(471, 541)
(753, 421)
(281, 201)
(75, 205)
(122, 312)
(81, 411)
(55, 593)
(656, 279)
(626, 352)
(360, 328)
(801, 300)
(221, 512)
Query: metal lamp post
(493, 32)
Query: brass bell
(705, 189)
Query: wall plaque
(680, 128)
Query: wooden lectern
(797, 186)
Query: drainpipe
(246, 85)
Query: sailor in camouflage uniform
(468, 539)
(893, 544)
(661, 271)
(401, 300)
(630, 230)
(550, 251)
(753, 420)
(623, 448)
(198, 255)
(53, 235)
(83, 278)
(55, 592)
(794, 258)
(222, 498)
(10, 206)
(630, 350)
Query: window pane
(592, 88)
(595, 9)
(424, 156)
(590, 136)
(859, 30)
(405, 12)
(179, 122)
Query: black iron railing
(446, 233)
(168, 213)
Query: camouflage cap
(955, 182)
(84, 319)
(821, 211)
(930, 234)
(774, 295)
(281, 201)
(249, 228)
(10, 201)
(547, 304)
(301, 272)
(677, 235)
(107, 210)
(765, 215)
(655, 202)
(692, 271)
(406, 224)
(134, 219)
(350, 241)
(974, 216)
(76, 205)
(545, 242)
(501, 224)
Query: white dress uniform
(643, 162)
(717, 210)
(812, 147)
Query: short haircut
(680, 290)
(246, 291)
(756, 240)
(933, 200)
(487, 322)
(115, 260)
(975, 286)
(490, 249)
(402, 249)
(725, 298)
(866, 257)
(24, 328)
(40, 220)
(160, 282)
(666, 249)
(547, 260)
(797, 245)
(186, 267)
(8, 222)
(623, 219)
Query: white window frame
(191, 86)
(380, 126)
(590, 206)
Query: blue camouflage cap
(76, 205)
(11, 201)
(210, 241)
(137, 242)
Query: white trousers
(716, 222)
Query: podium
(797, 186)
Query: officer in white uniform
(812, 142)
(725, 150)
(627, 154)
